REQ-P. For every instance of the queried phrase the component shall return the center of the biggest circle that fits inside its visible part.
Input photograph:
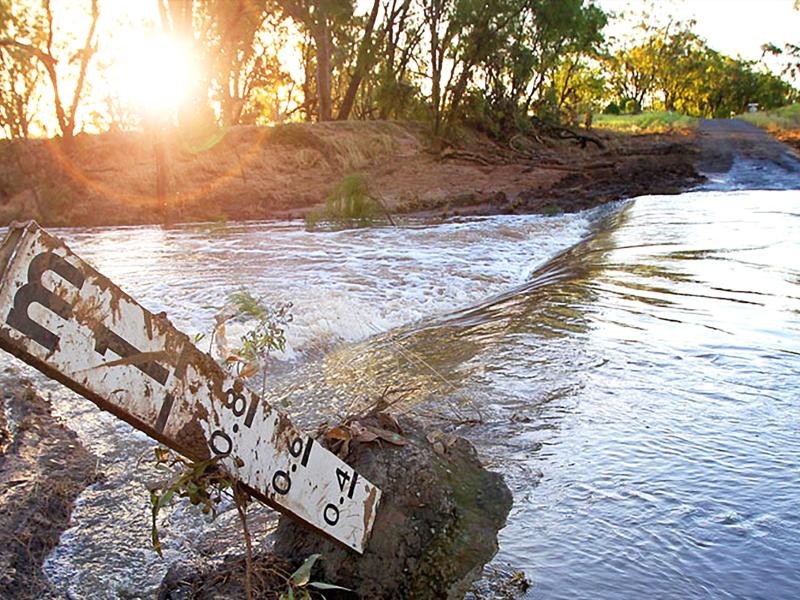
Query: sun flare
(154, 75)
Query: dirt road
(723, 140)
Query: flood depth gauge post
(67, 320)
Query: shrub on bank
(350, 203)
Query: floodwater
(635, 370)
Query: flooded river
(634, 370)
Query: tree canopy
(490, 63)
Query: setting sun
(492, 299)
(154, 75)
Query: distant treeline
(488, 63)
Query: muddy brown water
(634, 371)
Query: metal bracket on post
(70, 322)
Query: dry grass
(250, 172)
(781, 119)
(290, 170)
(646, 122)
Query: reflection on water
(639, 390)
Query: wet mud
(43, 468)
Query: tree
(39, 45)
(364, 60)
(19, 76)
(243, 61)
(402, 31)
(543, 54)
(319, 18)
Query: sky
(733, 27)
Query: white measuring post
(67, 320)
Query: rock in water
(437, 522)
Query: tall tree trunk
(322, 40)
(362, 65)
(162, 173)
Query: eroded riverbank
(257, 173)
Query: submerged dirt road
(722, 141)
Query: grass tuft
(350, 203)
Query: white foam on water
(346, 286)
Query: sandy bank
(284, 171)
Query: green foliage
(670, 68)
(349, 203)
(267, 333)
(651, 122)
(551, 210)
(534, 57)
(203, 483)
(351, 199)
(299, 586)
(631, 106)
(489, 63)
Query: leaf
(302, 576)
(221, 340)
(226, 313)
(162, 454)
(338, 433)
(344, 450)
(321, 585)
(362, 434)
(389, 422)
(389, 436)
(370, 434)
(165, 499)
(249, 370)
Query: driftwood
(523, 145)
(564, 133)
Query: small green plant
(551, 210)
(300, 587)
(350, 203)
(203, 483)
(351, 199)
(266, 335)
